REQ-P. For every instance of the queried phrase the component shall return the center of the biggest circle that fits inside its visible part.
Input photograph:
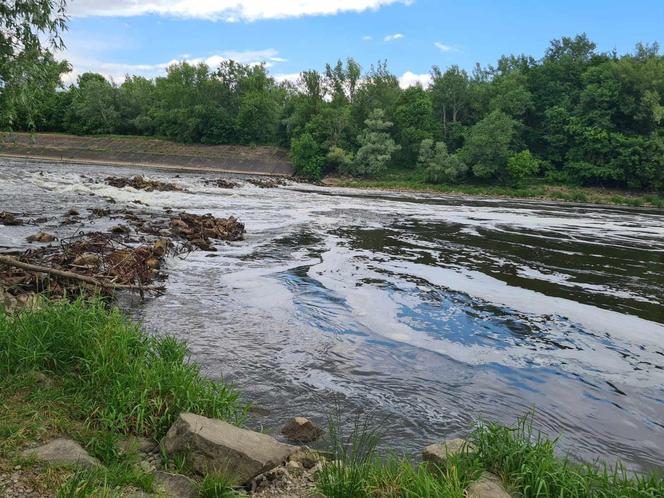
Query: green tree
(489, 145)
(522, 165)
(307, 156)
(376, 146)
(439, 165)
(412, 123)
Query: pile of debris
(221, 183)
(142, 183)
(267, 182)
(95, 262)
(199, 229)
(9, 219)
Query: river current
(428, 312)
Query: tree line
(575, 115)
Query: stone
(439, 453)
(137, 444)
(174, 485)
(302, 430)
(211, 445)
(42, 237)
(487, 486)
(62, 452)
(306, 457)
(87, 259)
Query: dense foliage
(574, 116)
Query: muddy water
(433, 311)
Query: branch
(7, 260)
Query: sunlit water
(432, 311)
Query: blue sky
(142, 37)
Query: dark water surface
(437, 311)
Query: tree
(94, 108)
(450, 93)
(413, 123)
(439, 166)
(489, 145)
(27, 30)
(307, 156)
(376, 146)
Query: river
(428, 312)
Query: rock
(302, 430)
(62, 452)
(174, 485)
(487, 486)
(439, 453)
(42, 237)
(306, 457)
(72, 212)
(211, 445)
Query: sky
(116, 37)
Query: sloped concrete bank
(147, 152)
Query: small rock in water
(440, 452)
(62, 452)
(302, 430)
(42, 237)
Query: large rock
(440, 452)
(62, 452)
(302, 430)
(211, 445)
(487, 486)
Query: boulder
(62, 452)
(174, 485)
(439, 453)
(302, 430)
(135, 444)
(487, 486)
(210, 445)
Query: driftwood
(8, 260)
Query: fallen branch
(7, 260)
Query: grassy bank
(84, 371)
(411, 180)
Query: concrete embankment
(147, 152)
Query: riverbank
(84, 372)
(146, 152)
(413, 181)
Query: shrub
(522, 165)
(439, 166)
(376, 146)
(308, 157)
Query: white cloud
(367, 38)
(444, 48)
(395, 36)
(225, 10)
(118, 71)
(409, 79)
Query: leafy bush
(439, 166)
(522, 165)
(308, 157)
(339, 160)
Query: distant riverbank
(409, 181)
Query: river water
(429, 312)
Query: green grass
(124, 380)
(104, 380)
(525, 461)
(414, 180)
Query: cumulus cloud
(444, 48)
(395, 36)
(118, 71)
(225, 10)
(409, 79)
